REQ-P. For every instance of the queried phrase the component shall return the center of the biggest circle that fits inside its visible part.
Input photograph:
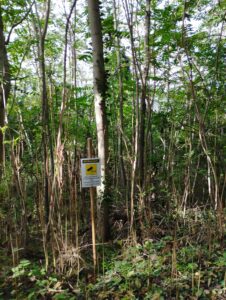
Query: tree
(41, 32)
(4, 90)
(99, 81)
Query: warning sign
(90, 169)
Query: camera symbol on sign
(91, 169)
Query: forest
(112, 149)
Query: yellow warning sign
(91, 169)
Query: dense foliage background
(165, 111)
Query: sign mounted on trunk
(90, 168)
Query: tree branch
(18, 23)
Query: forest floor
(191, 265)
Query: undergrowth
(189, 263)
(150, 270)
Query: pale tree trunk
(4, 91)
(99, 82)
(129, 18)
(123, 179)
(41, 32)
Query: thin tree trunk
(145, 74)
(4, 91)
(46, 134)
(123, 180)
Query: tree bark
(123, 179)
(144, 80)
(4, 90)
(41, 32)
(99, 81)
